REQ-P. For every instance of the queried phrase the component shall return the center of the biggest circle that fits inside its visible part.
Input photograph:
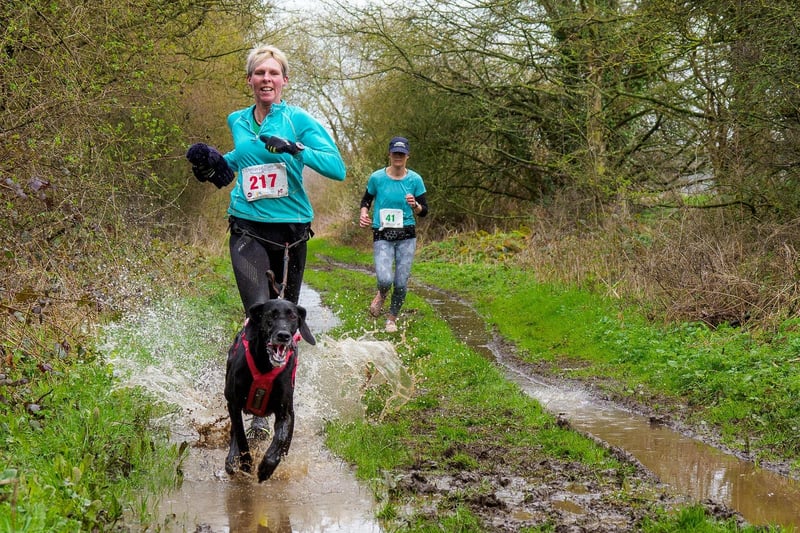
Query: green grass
(742, 382)
(82, 452)
(462, 399)
(693, 519)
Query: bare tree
(612, 99)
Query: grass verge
(73, 459)
(79, 452)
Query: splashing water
(178, 354)
(175, 353)
(332, 384)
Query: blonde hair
(261, 53)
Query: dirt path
(680, 465)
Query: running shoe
(259, 428)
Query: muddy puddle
(684, 463)
(311, 491)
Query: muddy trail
(314, 491)
(689, 463)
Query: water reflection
(687, 464)
(311, 491)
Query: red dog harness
(260, 390)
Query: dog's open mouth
(278, 353)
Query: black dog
(264, 384)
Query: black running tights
(258, 247)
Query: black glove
(198, 154)
(276, 145)
(209, 165)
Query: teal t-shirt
(390, 197)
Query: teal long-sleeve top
(289, 204)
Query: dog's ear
(255, 311)
(256, 314)
(304, 331)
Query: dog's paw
(266, 469)
(243, 463)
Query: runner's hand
(209, 165)
(276, 145)
(198, 154)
